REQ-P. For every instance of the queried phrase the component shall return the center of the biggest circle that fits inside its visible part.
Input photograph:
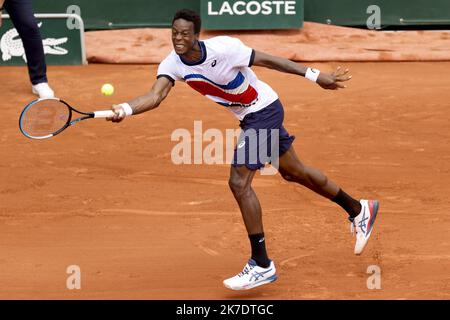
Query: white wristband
(312, 74)
(127, 108)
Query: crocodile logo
(11, 45)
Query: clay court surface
(108, 198)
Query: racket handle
(104, 114)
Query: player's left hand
(334, 80)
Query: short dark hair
(189, 15)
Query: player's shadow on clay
(256, 293)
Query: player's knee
(237, 185)
(295, 175)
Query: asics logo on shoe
(214, 63)
(256, 275)
(362, 224)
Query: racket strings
(45, 118)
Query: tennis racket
(45, 118)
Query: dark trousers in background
(21, 13)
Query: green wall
(353, 12)
(117, 14)
(62, 46)
(110, 14)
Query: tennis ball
(107, 89)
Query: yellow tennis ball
(107, 89)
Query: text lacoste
(240, 8)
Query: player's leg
(293, 170)
(361, 213)
(240, 184)
(21, 13)
(260, 269)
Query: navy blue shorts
(263, 138)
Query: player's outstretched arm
(147, 102)
(331, 81)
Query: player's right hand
(119, 114)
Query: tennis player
(220, 69)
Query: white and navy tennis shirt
(223, 75)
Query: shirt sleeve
(168, 69)
(238, 53)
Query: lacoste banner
(255, 14)
(62, 38)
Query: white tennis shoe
(43, 90)
(252, 276)
(363, 223)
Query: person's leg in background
(1, 11)
(21, 13)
